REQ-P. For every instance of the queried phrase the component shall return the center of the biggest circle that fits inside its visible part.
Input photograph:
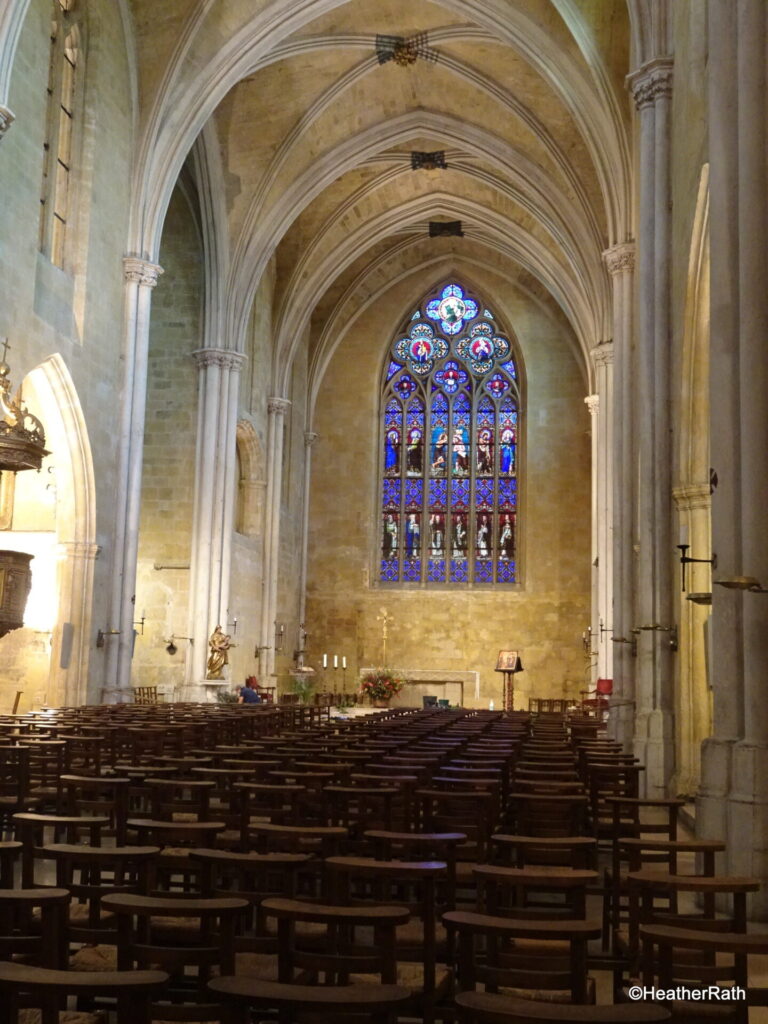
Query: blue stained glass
(510, 368)
(486, 414)
(488, 314)
(416, 315)
(507, 493)
(394, 414)
(452, 377)
(505, 572)
(497, 385)
(392, 369)
(484, 493)
(438, 439)
(389, 570)
(484, 572)
(459, 570)
(460, 493)
(436, 570)
(437, 493)
(414, 494)
(452, 289)
(390, 498)
(412, 570)
(405, 386)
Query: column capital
(652, 80)
(602, 354)
(620, 259)
(277, 406)
(226, 358)
(141, 271)
(309, 438)
(7, 117)
(78, 549)
(592, 402)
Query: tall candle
(335, 661)
(344, 661)
(325, 661)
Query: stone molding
(309, 438)
(278, 406)
(592, 402)
(78, 549)
(141, 271)
(692, 495)
(650, 82)
(620, 259)
(602, 354)
(7, 117)
(226, 358)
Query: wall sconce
(654, 627)
(102, 635)
(750, 583)
(586, 641)
(279, 635)
(233, 624)
(171, 647)
(141, 623)
(699, 597)
(685, 560)
(632, 641)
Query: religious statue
(219, 645)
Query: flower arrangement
(380, 684)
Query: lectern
(508, 663)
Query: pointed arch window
(449, 448)
(55, 196)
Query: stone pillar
(734, 792)
(693, 711)
(70, 645)
(140, 278)
(592, 402)
(7, 118)
(651, 88)
(602, 356)
(212, 525)
(309, 439)
(277, 408)
(620, 263)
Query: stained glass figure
(450, 419)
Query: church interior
(368, 335)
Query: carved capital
(7, 117)
(592, 402)
(620, 259)
(225, 358)
(309, 438)
(141, 271)
(651, 81)
(278, 406)
(602, 354)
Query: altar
(445, 684)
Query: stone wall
(455, 629)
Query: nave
(269, 863)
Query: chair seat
(547, 995)
(262, 966)
(350, 998)
(65, 1017)
(94, 958)
(412, 933)
(411, 976)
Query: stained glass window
(450, 415)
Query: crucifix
(384, 618)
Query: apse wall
(460, 629)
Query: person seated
(248, 693)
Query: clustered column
(276, 408)
(602, 357)
(309, 439)
(140, 278)
(620, 263)
(213, 520)
(734, 795)
(651, 88)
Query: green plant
(303, 685)
(380, 684)
(226, 696)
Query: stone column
(7, 118)
(602, 357)
(592, 403)
(70, 647)
(309, 439)
(620, 263)
(216, 458)
(734, 794)
(277, 408)
(140, 278)
(651, 88)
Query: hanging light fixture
(22, 438)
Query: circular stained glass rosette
(497, 385)
(482, 348)
(453, 309)
(405, 386)
(451, 377)
(421, 348)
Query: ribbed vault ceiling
(313, 139)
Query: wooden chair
(25, 985)
(33, 925)
(31, 829)
(345, 950)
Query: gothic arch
(252, 484)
